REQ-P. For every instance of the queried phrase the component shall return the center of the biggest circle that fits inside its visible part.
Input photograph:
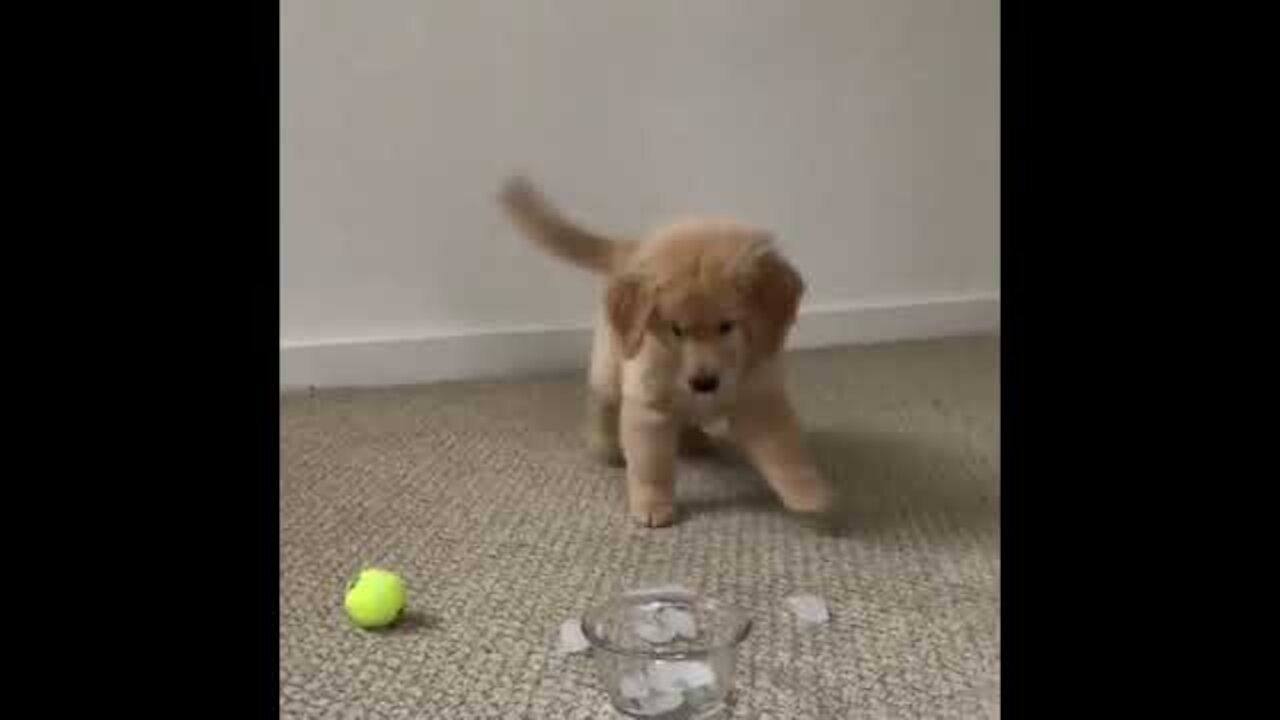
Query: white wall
(865, 132)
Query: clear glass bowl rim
(740, 629)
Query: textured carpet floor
(480, 494)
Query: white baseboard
(532, 351)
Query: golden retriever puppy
(690, 333)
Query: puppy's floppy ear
(773, 289)
(629, 304)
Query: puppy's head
(713, 298)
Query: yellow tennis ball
(375, 598)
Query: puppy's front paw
(808, 493)
(653, 515)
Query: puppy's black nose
(704, 383)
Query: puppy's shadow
(883, 481)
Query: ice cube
(809, 608)
(657, 703)
(680, 621)
(662, 678)
(679, 675)
(634, 686)
(694, 674)
(702, 696)
(652, 631)
(571, 638)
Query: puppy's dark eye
(726, 327)
(675, 328)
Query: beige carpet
(480, 494)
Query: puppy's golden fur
(690, 332)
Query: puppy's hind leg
(602, 428)
(604, 401)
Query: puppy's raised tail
(545, 225)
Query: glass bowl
(666, 654)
